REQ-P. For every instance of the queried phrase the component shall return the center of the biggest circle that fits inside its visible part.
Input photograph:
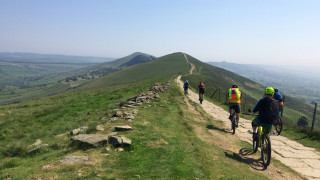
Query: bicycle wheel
(266, 150)
(255, 143)
(233, 124)
(278, 126)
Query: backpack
(270, 111)
(186, 84)
(278, 96)
(234, 93)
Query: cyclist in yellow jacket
(234, 100)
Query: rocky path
(302, 159)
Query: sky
(281, 32)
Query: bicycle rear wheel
(233, 121)
(266, 150)
(278, 126)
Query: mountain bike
(278, 125)
(263, 141)
(233, 120)
(200, 98)
(185, 90)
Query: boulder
(75, 159)
(118, 114)
(100, 128)
(89, 140)
(76, 131)
(115, 140)
(113, 119)
(130, 117)
(126, 141)
(123, 128)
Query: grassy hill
(218, 78)
(19, 86)
(169, 140)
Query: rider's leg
(237, 117)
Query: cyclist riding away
(234, 101)
(268, 112)
(201, 90)
(278, 96)
(186, 86)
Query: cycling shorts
(256, 122)
(201, 91)
(235, 106)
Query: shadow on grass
(216, 128)
(244, 157)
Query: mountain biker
(186, 86)
(201, 90)
(278, 96)
(234, 102)
(268, 111)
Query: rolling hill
(172, 138)
(19, 86)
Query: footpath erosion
(303, 160)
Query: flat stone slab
(120, 140)
(76, 131)
(75, 159)
(89, 140)
(123, 128)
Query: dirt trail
(192, 65)
(302, 159)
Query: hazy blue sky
(241, 31)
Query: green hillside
(168, 140)
(20, 84)
(169, 65)
(218, 78)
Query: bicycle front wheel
(266, 150)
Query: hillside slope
(172, 138)
(221, 79)
(23, 87)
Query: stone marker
(126, 141)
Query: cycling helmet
(276, 90)
(269, 91)
(234, 86)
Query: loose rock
(76, 131)
(89, 140)
(123, 128)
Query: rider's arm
(257, 107)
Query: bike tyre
(278, 126)
(266, 151)
(233, 125)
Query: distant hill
(18, 84)
(50, 58)
(292, 81)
